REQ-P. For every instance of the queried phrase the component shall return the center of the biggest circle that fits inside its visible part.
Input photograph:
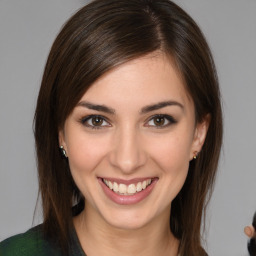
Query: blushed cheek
(83, 160)
(172, 157)
(86, 157)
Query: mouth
(127, 192)
(127, 189)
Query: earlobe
(62, 144)
(61, 138)
(199, 136)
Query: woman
(128, 130)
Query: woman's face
(129, 141)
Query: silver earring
(63, 152)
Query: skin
(128, 144)
(250, 231)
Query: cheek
(85, 154)
(172, 154)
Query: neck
(99, 238)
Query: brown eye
(97, 121)
(159, 121)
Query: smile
(129, 189)
(127, 192)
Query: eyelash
(85, 120)
(167, 118)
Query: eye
(95, 122)
(161, 121)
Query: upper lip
(127, 182)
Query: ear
(199, 136)
(62, 139)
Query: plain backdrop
(27, 30)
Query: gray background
(27, 30)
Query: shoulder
(29, 243)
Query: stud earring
(63, 152)
(195, 155)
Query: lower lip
(127, 199)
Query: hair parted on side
(99, 37)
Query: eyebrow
(144, 110)
(96, 107)
(160, 105)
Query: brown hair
(99, 37)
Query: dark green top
(32, 243)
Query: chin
(137, 217)
(128, 224)
(128, 219)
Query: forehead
(147, 79)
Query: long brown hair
(99, 37)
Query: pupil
(97, 121)
(159, 121)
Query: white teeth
(139, 187)
(144, 184)
(115, 187)
(122, 189)
(131, 189)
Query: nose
(127, 152)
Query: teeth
(131, 189)
(144, 184)
(122, 189)
(110, 185)
(139, 187)
(115, 187)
